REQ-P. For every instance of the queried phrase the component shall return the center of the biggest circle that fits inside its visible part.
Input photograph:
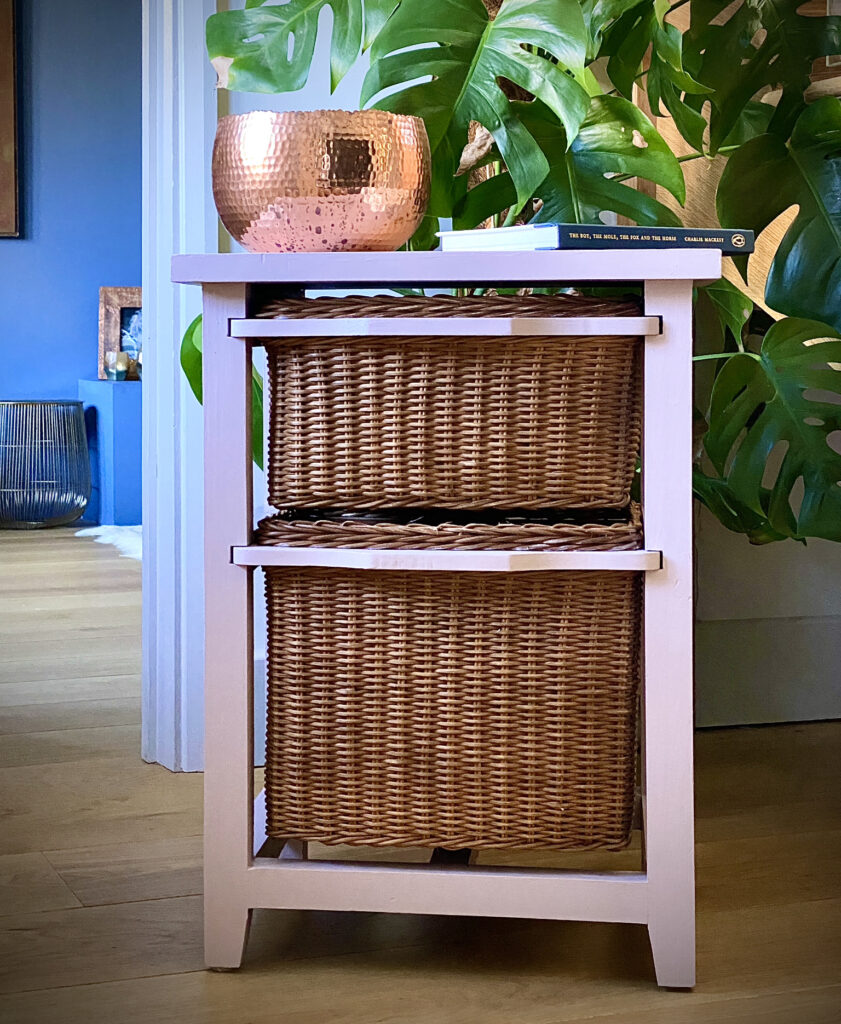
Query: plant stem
(697, 156)
(496, 166)
(511, 217)
(680, 160)
(724, 355)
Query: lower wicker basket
(452, 709)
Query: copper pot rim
(385, 116)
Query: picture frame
(9, 189)
(120, 325)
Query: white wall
(768, 633)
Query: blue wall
(79, 105)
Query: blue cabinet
(113, 421)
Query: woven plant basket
(372, 422)
(452, 709)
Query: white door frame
(179, 120)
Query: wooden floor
(100, 866)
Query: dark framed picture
(9, 217)
(120, 326)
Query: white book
(520, 238)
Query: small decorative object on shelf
(321, 180)
(120, 328)
(44, 467)
(117, 365)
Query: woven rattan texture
(329, 308)
(481, 710)
(547, 422)
(337, 533)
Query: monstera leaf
(191, 364)
(730, 512)
(667, 82)
(540, 45)
(641, 32)
(765, 177)
(762, 44)
(269, 48)
(732, 307)
(771, 408)
(615, 138)
(603, 16)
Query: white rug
(127, 539)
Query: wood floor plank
(96, 604)
(80, 714)
(769, 780)
(762, 766)
(29, 883)
(99, 801)
(62, 746)
(42, 553)
(89, 944)
(766, 871)
(55, 544)
(130, 872)
(303, 968)
(312, 993)
(813, 1006)
(103, 660)
(25, 629)
(101, 643)
(21, 623)
(102, 577)
(55, 691)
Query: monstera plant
(533, 113)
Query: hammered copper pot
(321, 180)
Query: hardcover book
(528, 237)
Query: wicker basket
(468, 531)
(452, 709)
(373, 422)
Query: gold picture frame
(117, 309)
(9, 205)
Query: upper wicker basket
(490, 422)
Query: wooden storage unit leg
(668, 794)
(229, 657)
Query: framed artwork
(9, 219)
(120, 326)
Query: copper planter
(321, 180)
